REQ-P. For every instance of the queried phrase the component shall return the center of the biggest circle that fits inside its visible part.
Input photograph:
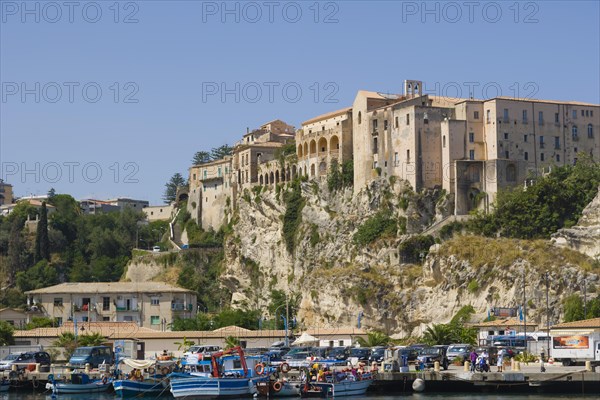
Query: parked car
(8, 361)
(203, 349)
(377, 355)
(459, 351)
(156, 249)
(339, 353)
(414, 350)
(429, 355)
(30, 357)
(93, 355)
(361, 353)
(321, 353)
(492, 353)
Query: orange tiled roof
(586, 323)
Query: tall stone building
(6, 193)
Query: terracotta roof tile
(586, 323)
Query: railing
(181, 307)
(124, 309)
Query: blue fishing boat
(218, 381)
(139, 384)
(77, 383)
(4, 384)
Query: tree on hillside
(201, 157)
(16, 248)
(573, 307)
(51, 193)
(221, 151)
(6, 334)
(171, 188)
(42, 244)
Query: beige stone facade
(159, 213)
(150, 304)
(13, 316)
(322, 141)
(6, 193)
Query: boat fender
(418, 385)
(151, 370)
(104, 380)
(277, 386)
(285, 368)
(164, 370)
(259, 368)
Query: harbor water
(415, 396)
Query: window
(375, 164)
(475, 114)
(155, 320)
(205, 174)
(524, 116)
(59, 321)
(471, 154)
(105, 303)
(505, 135)
(375, 150)
(587, 113)
(556, 118)
(374, 125)
(359, 118)
(444, 141)
(341, 342)
(219, 172)
(58, 302)
(407, 119)
(574, 132)
(541, 142)
(525, 138)
(506, 115)
(541, 156)
(557, 142)
(506, 154)
(488, 116)
(407, 156)
(194, 177)
(154, 301)
(385, 124)
(511, 173)
(396, 122)
(574, 114)
(558, 158)
(526, 156)
(471, 137)
(105, 318)
(396, 161)
(541, 118)
(85, 319)
(590, 131)
(582, 113)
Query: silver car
(459, 351)
(6, 363)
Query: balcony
(127, 309)
(181, 307)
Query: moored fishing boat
(337, 384)
(139, 384)
(77, 383)
(4, 384)
(219, 382)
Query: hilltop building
(471, 148)
(6, 193)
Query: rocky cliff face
(585, 236)
(336, 279)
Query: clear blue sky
(176, 50)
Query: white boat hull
(200, 387)
(76, 388)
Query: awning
(305, 338)
(139, 364)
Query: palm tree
(91, 339)
(374, 338)
(438, 334)
(230, 342)
(67, 341)
(184, 344)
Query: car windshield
(378, 352)
(82, 352)
(359, 352)
(456, 349)
(11, 357)
(430, 350)
(297, 350)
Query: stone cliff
(336, 277)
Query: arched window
(590, 131)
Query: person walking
(500, 361)
(473, 358)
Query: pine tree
(171, 187)
(16, 247)
(42, 244)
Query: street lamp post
(285, 320)
(524, 311)
(548, 313)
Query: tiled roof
(569, 102)
(327, 115)
(110, 287)
(586, 323)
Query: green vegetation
(69, 342)
(277, 308)
(315, 238)
(339, 178)
(526, 357)
(415, 249)
(454, 332)
(502, 252)
(170, 193)
(374, 338)
(293, 215)
(231, 342)
(575, 311)
(6, 334)
(244, 318)
(473, 286)
(42, 244)
(380, 225)
(553, 202)
(184, 345)
(41, 322)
